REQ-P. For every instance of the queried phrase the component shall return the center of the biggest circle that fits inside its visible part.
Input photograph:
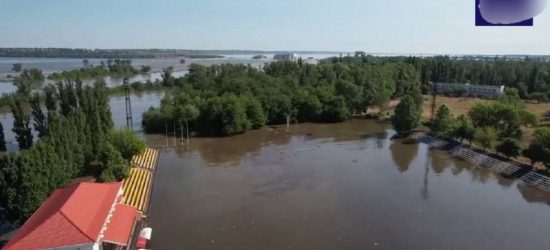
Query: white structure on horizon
(286, 57)
(471, 89)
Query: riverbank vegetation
(116, 67)
(223, 100)
(75, 135)
(331, 91)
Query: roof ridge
(72, 223)
(61, 210)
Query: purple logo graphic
(508, 12)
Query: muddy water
(344, 186)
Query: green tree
(486, 137)
(276, 106)
(126, 142)
(464, 129)
(24, 86)
(51, 99)
(407, 116)
(21, 128)
(539, 97)
(223, 116)
(33, 75)
(444, 123)
(186, 113)
(38, 115)
(167, 78)
(17, 67)
(2, 139)
(407, 79)
(254, 112)
(351, 94)
(510, 147)
(112, 164)
(507, 116)
(537, 152)
(106, 175)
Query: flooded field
(341, 186)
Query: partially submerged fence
(485, 161)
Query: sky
(374, 26)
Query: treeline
(105, 53)
(222, 100)
(116, 67)
(66, 53)
(496, 126)
(530, 76)
(76, 136)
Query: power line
(129, 123)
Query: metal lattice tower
(129, 123)
(434, 101)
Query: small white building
(466, 89)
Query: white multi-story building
(470, 89)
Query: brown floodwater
(338, 186)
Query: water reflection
(403, 154)
(533, 194)
(347, 196)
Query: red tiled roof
(72, 215)
(121, 225)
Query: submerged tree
(407, 116)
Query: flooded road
(341, 186)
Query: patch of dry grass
(463, 105)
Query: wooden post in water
(166, 134)
(181, 129)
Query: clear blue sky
(377, 26)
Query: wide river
(338, 186)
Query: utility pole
(129, 123)
(187, 128)
(287, 122)
(434, 101)
(175, 145)
(181, 129)
(166, 124)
